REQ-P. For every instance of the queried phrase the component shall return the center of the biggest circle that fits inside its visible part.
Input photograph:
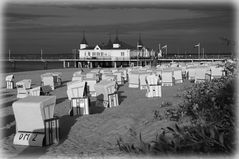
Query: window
(122, 53)
(102, 53)
(88, 53)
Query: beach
(95, 134)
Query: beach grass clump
(210, 106)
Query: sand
(95, 134)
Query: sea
(21, 66)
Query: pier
(70, 61)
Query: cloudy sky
(58, 27)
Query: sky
(58, 27)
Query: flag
(197, 45)
(165, 46)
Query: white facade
(97, 52)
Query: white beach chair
(10, 81)
(114, 70)
(106, 92)
(167, 78)
(35, 124)
(216, 72)
(49, 80)
(109, 76)
(119, 77)
(93, 75)
(142, 80)
(23, 88)
(153, 86)
(77, 73)
(90, 86)
(191, 73)
(77, 94)
(200, 74)
(133, 79)
(177, 75)
(105, 71)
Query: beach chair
(153, 86)
(216, 72)
(58, 78)
(177, 75)
(114, 70)
(109, 76)
(119, 77)
(124, 74)
(35, 91)
(77, 94)
(45, 90)
(93, 75)
(78, 78)
(105, 71)
(35, 123)
(77, 73)
(97, 72)
(23, 88)
(142, 80)
(49, 79)
(107, 95)
(201, 74)
(90, 86)
(167, 78)
(133, 79)
(10, 81)
(191, 73)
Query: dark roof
(116, 40)
(109, 46)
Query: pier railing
(58, 57)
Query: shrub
(211, 107)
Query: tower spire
(116, 43)
(109, 42)
(83, 43)
(116, 38)
(84, 40)
(139, 44)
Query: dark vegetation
(210, 109)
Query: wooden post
(13, 65)
(64, 64)
(45, 65)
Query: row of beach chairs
(36, 124)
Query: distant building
(113, 50)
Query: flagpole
(9, 54)
(137, 55)
(199, 50)
(41, 54)
(167, 51)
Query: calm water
(30, 66)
